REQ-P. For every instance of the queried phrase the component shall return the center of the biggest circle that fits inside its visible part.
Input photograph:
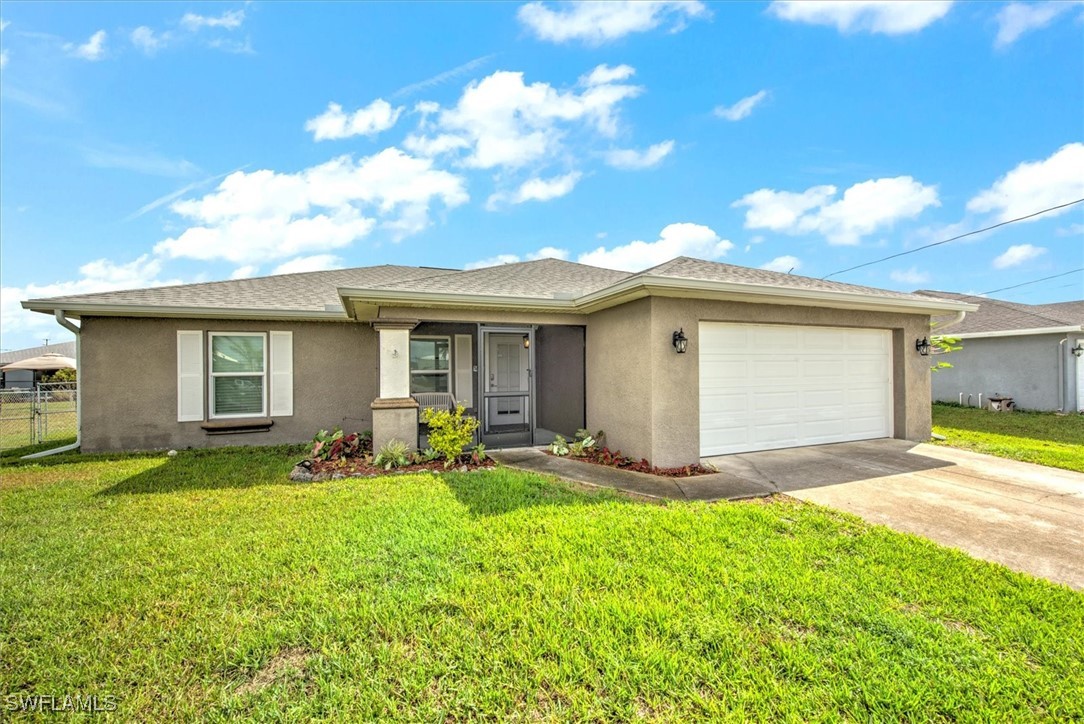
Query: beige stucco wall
(619, 377)
(128, 381)
(631, 361)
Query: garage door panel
(766, 387)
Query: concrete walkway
(1027, 517)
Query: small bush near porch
(206, 586)
(1035, 437)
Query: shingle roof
(67, 349)
(996, 315)
(303, 291)
(685, 267)
(318, 292)
(544, 278)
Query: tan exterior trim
(394, 403)
(77, 310)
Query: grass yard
(1034, 437)
(208, 586)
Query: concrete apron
(1027, 517)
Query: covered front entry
(764, 387)
(530, 383)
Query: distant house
(688, 359)
(1023, 351)
(11, 379)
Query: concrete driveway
(1027, 517)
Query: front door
(507, 393)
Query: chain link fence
(42, 413)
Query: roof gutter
(637, 287)
(66, 323)
(1068, 329)
(76, 309)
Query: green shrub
(449, 432)
(392, 454)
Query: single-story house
(25, 378)
(1033, 353)
(688, 359)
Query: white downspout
(1061, 374)
(66, 323)
(950, 323)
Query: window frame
(211, 375)
(447, 374)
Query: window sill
(238, 425)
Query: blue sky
(151, 143)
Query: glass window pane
(238, 395)
(428, 383)
(429, 354)
(236, 354)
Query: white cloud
(595, 23)
(603, 74)
(1071, 230)
(4, 25)
(785, 264)
(909, 276)
(101, 275)
(864, 208)
(629, 159)
(1035, 185)
(147, 40)
(245, 272)
(229, 20)
(3, 58)
(1016, 18)
(431, 146)
(889, 17)
(536, 189)
(368, 121)
(93, 49)
(1017, 255)
(511, 124)
(316, 262)
(742, 108)
(546, 252)
(262, 215)
(675, 240)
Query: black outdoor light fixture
(681, 342)
(923, 346)
(526, 341)
(1078, 350)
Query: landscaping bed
(319, 470)
(588, 448)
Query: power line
(1034, 281)
(961, 236)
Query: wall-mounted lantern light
(526, 341)
(681, 342)
(1078, 350)
(923, 346)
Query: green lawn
(1035, 437)
(208, 586)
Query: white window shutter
(464, 371)
(282, 374)
(189, 376)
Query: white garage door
(764, 387)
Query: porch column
(395, 412)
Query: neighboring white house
(1033, 353)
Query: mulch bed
(606, 458)
(314, 471)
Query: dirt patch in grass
(320, 470)
(286, 664)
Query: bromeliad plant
(392, 454)
(335, 445)
(449, 432)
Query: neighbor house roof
(996, 317)
(67, 349)
(543, 285)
